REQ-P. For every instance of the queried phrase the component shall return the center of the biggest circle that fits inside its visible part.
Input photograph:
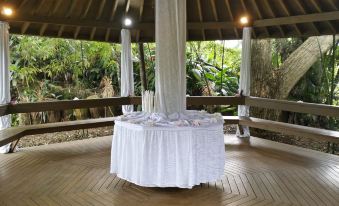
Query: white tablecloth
(167, 156)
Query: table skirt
(167, 156)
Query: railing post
(245, 79)
(5, 97)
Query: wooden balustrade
(105, 102)
(65, 105)
(299, 107)
(16, 133)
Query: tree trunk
(261, 68)
(273, 83)
(333, 85)
(300, 61)
(264, 82)
(142, 67)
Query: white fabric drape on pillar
(245, 78)
(5, 98)
(170, 74)
(127, 80)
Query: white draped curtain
(127, 80)
(245, 78)
(5, 98)
(170, 74)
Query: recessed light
(244, 20)
(7, 11)
(128, 22)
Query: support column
(245, 78)
(5, 97)
(126, 80)
(170, 72)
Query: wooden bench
(231, 119)
(15, 133)
(291, 129)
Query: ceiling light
(7, 11)
(244, 20)
(128, 22)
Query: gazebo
(257, 172)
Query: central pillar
(170, 69)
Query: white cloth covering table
(160, 156)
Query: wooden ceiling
(101, 20)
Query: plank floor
(257, 172)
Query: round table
(160, 156)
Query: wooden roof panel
(193, 14)
(101, 20)
(222, 11)
(207, 10)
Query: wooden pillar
(5, 97)
(245, 79)
(127, 79)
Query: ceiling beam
(215, 15)
(43, 29)
(256, 8)
(71, 8)
(94, 29)
(308, 18)
(298, 19)
(24, 27)
(269, 9)
(101, 9)
(297, 2)
(61, 30)
(38, 7)
(22, 4)
(200, 19)
(76, 32)
(317, 7)
(83, 16)
(85, 12)
(141, 10)
(332, 4)
(107, 34)
(114, 9)
(55, 8)
(229, 10)
(287, 12)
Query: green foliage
(49, 68)
(211, 69)
(59, 63)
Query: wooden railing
(105, 102)
(298, 107)
(16, 133)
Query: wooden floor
(257, 172)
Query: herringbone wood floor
(257, 172)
